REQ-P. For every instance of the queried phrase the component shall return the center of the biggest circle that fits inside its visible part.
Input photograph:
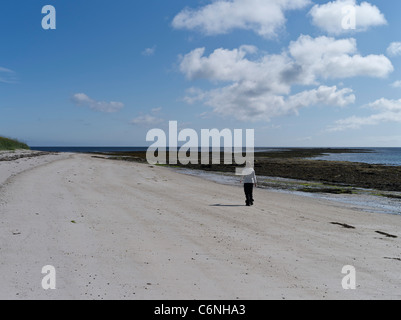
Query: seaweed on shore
(296, 164)
(326, 190)
(391, 196)
(344, 225)
(387, 235)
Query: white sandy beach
(119, 230)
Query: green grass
(11, 144)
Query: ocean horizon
(126, 149)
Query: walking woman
(249, 179)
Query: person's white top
(251, 177)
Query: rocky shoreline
(329, 176)
(21, 154)
(344, 174)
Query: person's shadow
(226, 205)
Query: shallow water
(384, 156)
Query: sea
(383, 156)
(363, 202)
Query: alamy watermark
(49, 20)
(49, 280)
(349, 17)
(206, 148)
(348, 22)
(349, 281)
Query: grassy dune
(10, 144)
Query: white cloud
(389, 111)
(241, 102)
(7, 75)
(193, 95)
(326, 57)
(149, 51)
(156, 110)
(225, 65)
(324, 95)
(330, 16)
(265, 17)
(82, 100)
(396, 84)
(260, 88)
(386, 105)
(218, 65)
(6, 70)
(307, 60)
(394, 49)
(146, 120)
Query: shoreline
(14, 162)
(296, 164)
(369, 200)
(361, 199)
(125, 230)
(291, 171)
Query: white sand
(24, 160)
(151, 233)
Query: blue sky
(112, 70)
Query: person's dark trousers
(248, 187)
